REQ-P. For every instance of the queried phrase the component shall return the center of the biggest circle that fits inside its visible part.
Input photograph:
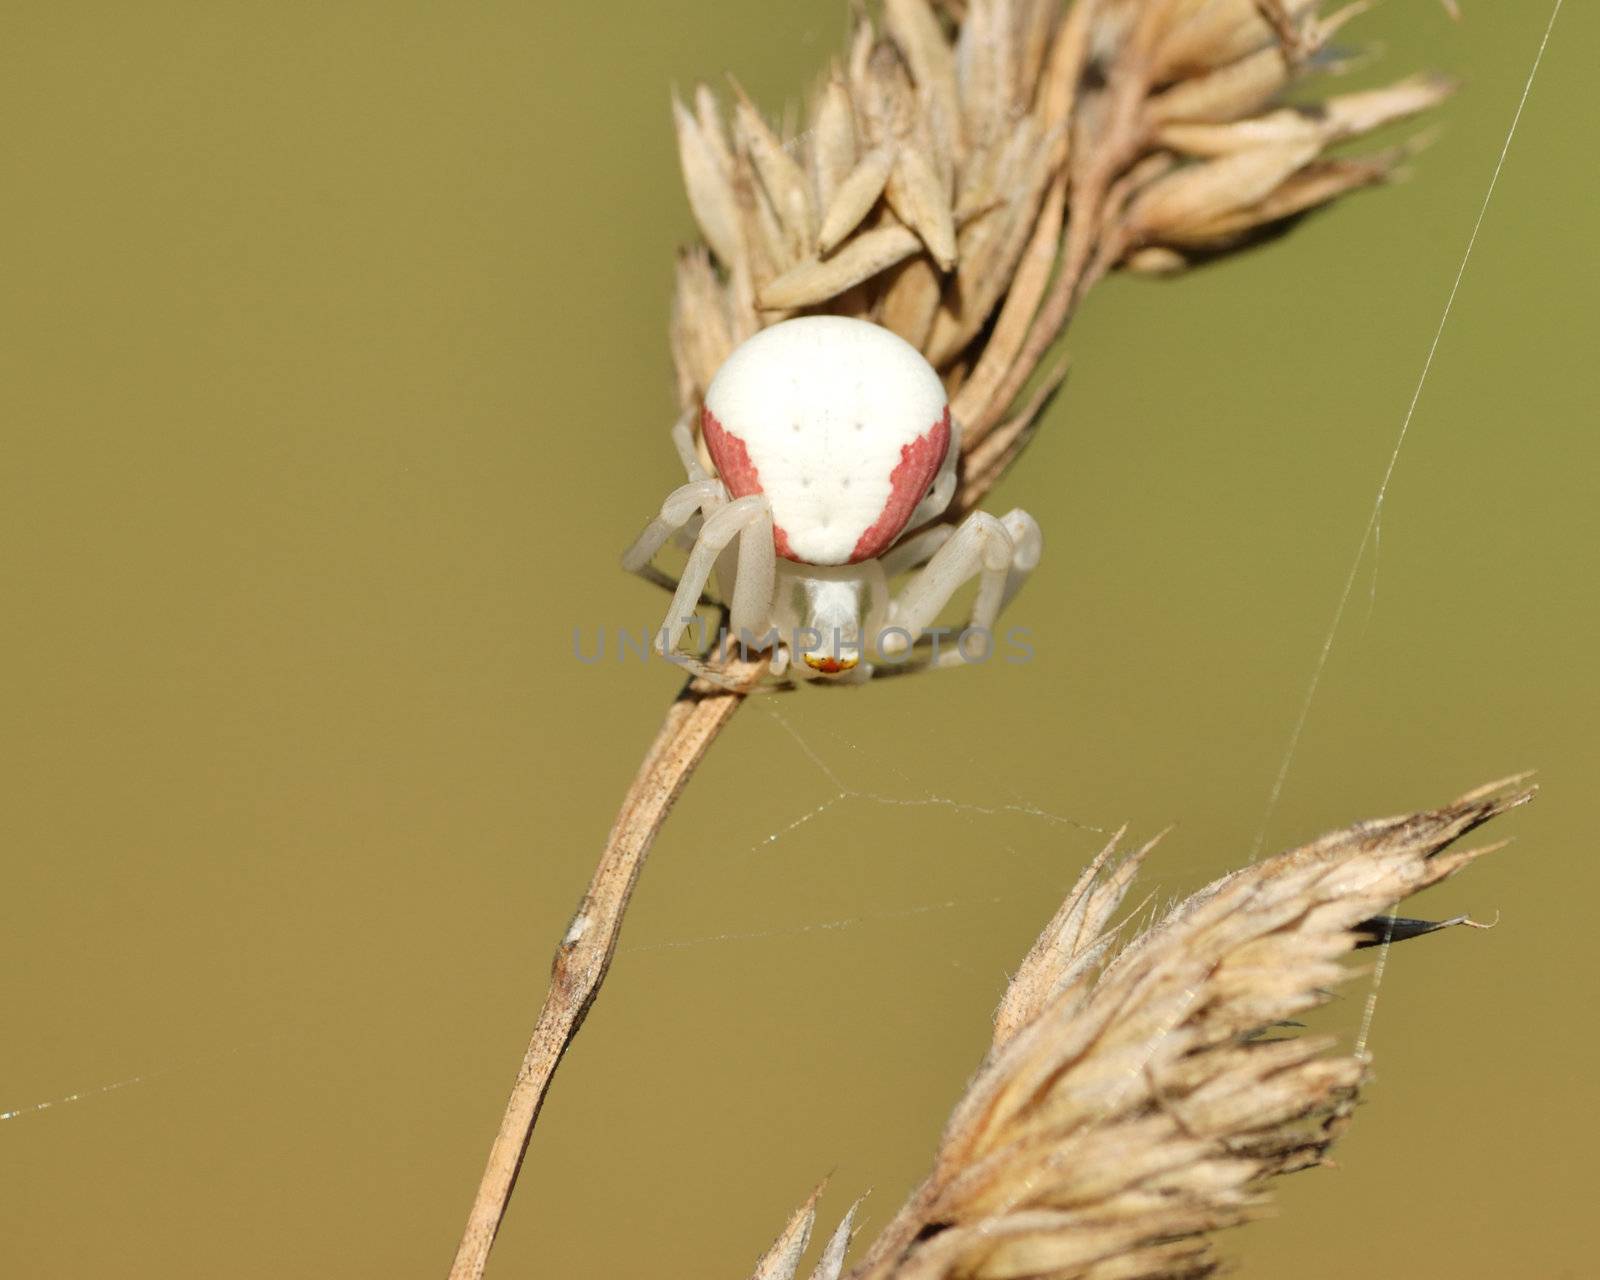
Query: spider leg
(749, 520)
(681, 506)
(1000, 553)
(755, 575)
(916, 550)
(1027, 545)
(683, 442)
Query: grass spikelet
(1137, 1098)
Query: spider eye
(828, 664)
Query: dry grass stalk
(584, 953)
(964, 175)
(1135, 1100)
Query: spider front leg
(681, 506)
(750, 607)
(1000, 553)
(915, 551)
(683, 443)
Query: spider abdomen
(840, 423)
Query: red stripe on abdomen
(908, 482)
(737, 472)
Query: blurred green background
(335, 379)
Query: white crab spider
(833, 447)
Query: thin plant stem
(583, 956)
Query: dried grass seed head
(967, 172)
(1136, 1100)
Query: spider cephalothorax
(833, 446)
